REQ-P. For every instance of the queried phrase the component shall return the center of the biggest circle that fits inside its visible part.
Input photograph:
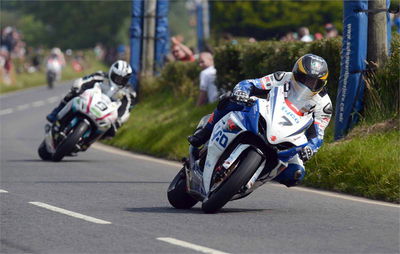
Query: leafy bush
(254, 60)
(181, 77)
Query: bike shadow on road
(195, 210)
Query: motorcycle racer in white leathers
(305, 92)
(114, 84)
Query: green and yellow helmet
(311, 71)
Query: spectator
(330, 31)
(208, 89)
(290, 36)
(181, 52)
(304, 34)
(228, 38)
(252, 39)
(318, 36)
(99, 51)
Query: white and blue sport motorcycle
(247, 149)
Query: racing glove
(306, 153)
(242, 97)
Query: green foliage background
(69, 24)
(255, 60)
(269, 19)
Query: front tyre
(177, 194)
(43, 153)
(68, 144)
(242, 175)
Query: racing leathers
(319, 105)
(125, 95)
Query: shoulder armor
(278, 76)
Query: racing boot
(52, 117)
(200, 137)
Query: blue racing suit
(319, 105)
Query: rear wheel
(69, 143)
(43, 153)
(239, 177)
(177, 194)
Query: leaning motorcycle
(53, 71)
(246, 149)
(80, 123)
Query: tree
(76, 24)
(272, 19)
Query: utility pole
(149, 23)
(377, 32)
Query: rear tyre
(43, 153)
(243, 173)
(177, 194)
(68, 145)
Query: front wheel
(69, 143)
(242, 174)
(177, 194)
(43, 153)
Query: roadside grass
(27, 80)
(160, 124)
(366, 165)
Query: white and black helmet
(120, 73)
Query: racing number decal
(100, 105)
(221, 138)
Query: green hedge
(254, 60)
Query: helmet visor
(314, 84)
(119, 80)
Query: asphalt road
(107, 201)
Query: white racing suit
(125, 95)
(319, 105)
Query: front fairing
(284, 124)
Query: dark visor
(121, 81)
(314, 84)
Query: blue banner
(353, 57)
(136, 38)
(162, 33)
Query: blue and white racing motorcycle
(247, 149)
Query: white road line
(23, 107)
(117, 151)
(3, 191)
(341, 196)
(6, 111)
(38, 103)
(190, 245)
(70, 213)
(53, 99)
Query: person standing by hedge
(181, 52)
(305, 93)
(208, 89)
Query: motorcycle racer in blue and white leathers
(305, 92)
